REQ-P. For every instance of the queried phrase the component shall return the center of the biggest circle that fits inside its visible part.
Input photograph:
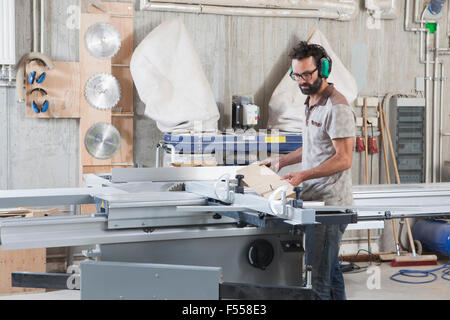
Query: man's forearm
(335, 164)
(291, 158)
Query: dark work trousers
(327, 278)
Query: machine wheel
(260, 254)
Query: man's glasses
(307, 75)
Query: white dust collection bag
(287, 104)
(171, 82)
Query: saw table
(158, 231)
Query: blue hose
(423, 274)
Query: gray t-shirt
(331, 118)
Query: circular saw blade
(102, 91)
(102, 40)
(102, 140)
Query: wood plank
(125, 125)
(89, 66)
(115, 8)
(88, 209)
(121, 17)
(125, 28)
(123, 75)
(32, 260)
(389, 256)
(121, 70)
(264, 181)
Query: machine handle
(272, 200)
(227, 183)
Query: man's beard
(311, 88)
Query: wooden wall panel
(62, 84)
(32, 260)
(125, 125)
(121, 17)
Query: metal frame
(145, 217)
(227, 290)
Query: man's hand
(295, 178)
(273, 163)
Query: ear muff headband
(42, 91)
(35, 107)
(20, 74)
(325, 64)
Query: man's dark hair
(304, 50)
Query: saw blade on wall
(102, 40)
(102, 91)
(102, 140)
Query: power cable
(422, 274)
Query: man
(326, 156)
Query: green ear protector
(325, 64)
(325, 67)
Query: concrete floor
(370, 284)
(364, 285)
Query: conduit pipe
(342, 10)
(407, 27)
(428, 116)
(436, 131)
(42, 26)
(441, 125)
(279, 4)
(39, 26)
(35, 27)
(427, 79)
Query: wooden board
(123, 75)
(90, 66)
(120, 15)
(62, 84)
(32, 260)
(125, 125)
(264, 181)
(389, 256)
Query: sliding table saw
(194, 233)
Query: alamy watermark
(374, 280)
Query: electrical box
(407, 127)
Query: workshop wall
(38, 153)
(240, 55)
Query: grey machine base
(229, 253)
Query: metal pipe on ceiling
(327, 9)
(42, 26)
(441, 122)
